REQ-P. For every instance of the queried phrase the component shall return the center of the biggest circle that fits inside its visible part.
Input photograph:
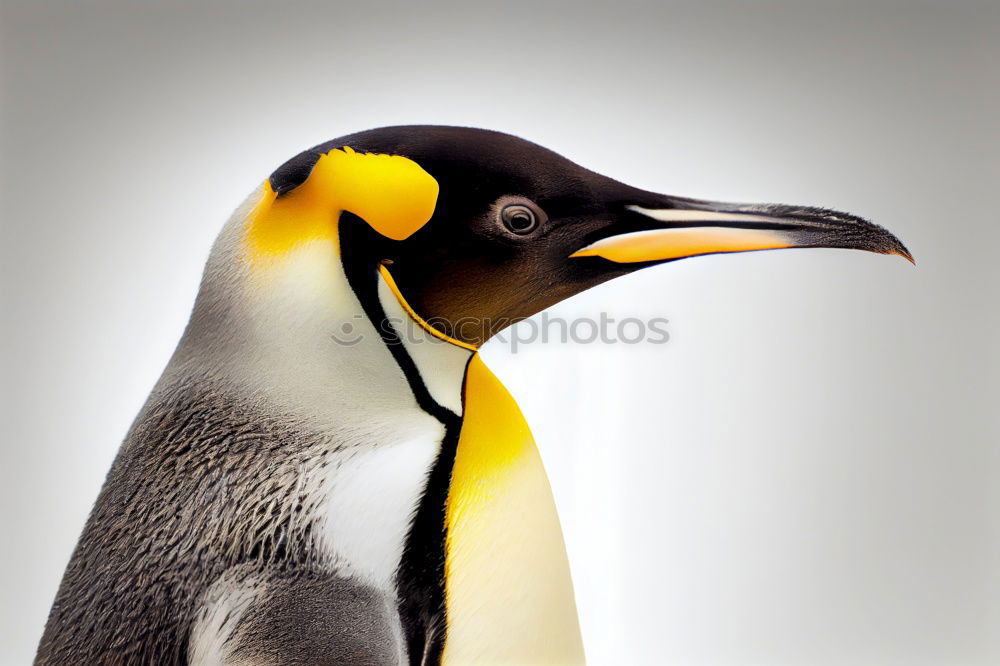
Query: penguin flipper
(283, 618)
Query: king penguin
(327, 472)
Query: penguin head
(477, 229)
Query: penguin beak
(667, 228)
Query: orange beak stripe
(662, 244)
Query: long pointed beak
(689, 227)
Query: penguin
(327, 472)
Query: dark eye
(519, 218)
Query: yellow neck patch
(390, 192)
(508, 592)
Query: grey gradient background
(805, 474)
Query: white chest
(370, 497)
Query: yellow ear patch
(390, 192)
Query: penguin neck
(306, 333)
(293, 339)
(508, 594)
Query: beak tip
(900, 250)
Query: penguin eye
(519, 219)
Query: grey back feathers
(189, 496)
